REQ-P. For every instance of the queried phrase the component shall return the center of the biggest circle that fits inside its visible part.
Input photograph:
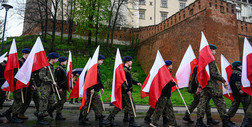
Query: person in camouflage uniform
(47, 98)
(60, 74)
(238, 95)
(150, 111)
(196, 97)
(126, 95)
(2, 80)
(16, 106)
(96, 101)
(212, 90)
(247, 121)
(164, 103)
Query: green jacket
(215, 76)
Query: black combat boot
(41, 121)
(101, 121)
(126, 117)
(59, 117)
(229, 120)
(187, 118)
(165, 120)
(211, 121)
(7, 114)
(147, 119)
(153, 125)
(226, 123)
(246, 122)
(83, 121)
(132, 123)
(15, 119)
(200, 123)
(109, 121)
(97, 118)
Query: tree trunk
(62, 21)
(109, 25)
(46, 20)
(97, 25)
(41, 19)
(54, 25)
(70, 22)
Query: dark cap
(53, 55)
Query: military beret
(100, 57)
(53, 55)
(127, 58)
(26, 50)
(212, 46)
(168, 62)
(62, 59)
(236, 63)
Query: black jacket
(167, 89)
(235, 82)
(128, 86)
(2, 67)
(61, 78)
(99, 84)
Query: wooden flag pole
(90, 103)
(54, 81)
(133, 108)
(182, 98)
(227, 92)
(72, 80)
(22, 95)
(102, 101)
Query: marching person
(47, 98)
(2, 80)
(60, 75)
(96, 101)
(164, 103)
(195, 90)
(213, 91)
(238, 95)
(126, 95)
(75, 78)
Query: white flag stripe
(118, 61)
(184, 71)
(68, 62)
(247, 49)
(159, 62)
(95, 57)
(203, 44)
(2, 58)
(81, 78)
(24, 73)
(224, 65)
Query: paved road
(73, 114)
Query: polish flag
(69, 70)
(226, 70)
(79, 85)
(247, 68)
(3, 57)
(36, 60)
(91, 76)
(205, 57)
(185, 69)
(12, 63)
(119, 78)
(156, 80)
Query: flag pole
(22, 95)
(227, 92)
(90, 103)
(133, 108)
(102, 101)
(182, 98)
(72, 80)
(54, 81)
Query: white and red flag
(69, 70)
(205, 57)
(119, 78)
(226, 71)
(158, 77)
(91, 76)
(3, 57)
(12, 63)
(247, 68)
(35, 61)
(77, 91)
(185, 69)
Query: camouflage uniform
(96, 101)
(164, 103)
(235, 84)
(248, 113)
(31, 94)
(60, 74)
(212, 90)
(2, 80)
(47, 98)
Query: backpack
(193, 85)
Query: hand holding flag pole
(54, 81)
(182, 97)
